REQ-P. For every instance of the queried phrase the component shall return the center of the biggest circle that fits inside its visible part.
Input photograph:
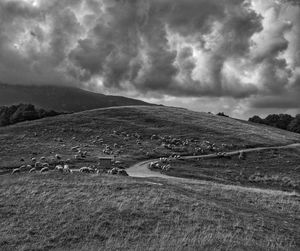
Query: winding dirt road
(141, 170)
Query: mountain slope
(61, 98)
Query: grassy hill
(56, 211)
(101, 212)
(60, 98)
(94, 130)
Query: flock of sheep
(168, 142)
(43, 166)
(38, 165)
(164, 164)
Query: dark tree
(22, 112)
(257, 119)
(294, 126)
(280, 121)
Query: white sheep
(74, 148)
(37, 164)
(113, 171)
(45, 165)
(32, 170)
(33, 159)
(22, 167)
(59, 168)
(45, 169)
(16, 170)
(86, 170)
(67, 169)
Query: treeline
(22, 112)
(282, 121)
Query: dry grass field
(56, 211)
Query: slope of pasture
(58, 135)
(275, 169)
(99, 212)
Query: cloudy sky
(241, 57)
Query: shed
(106, 162)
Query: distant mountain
(61, 98)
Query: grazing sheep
(37, 164)
(113, 171)
(33, 159)
(29, 167)
(17, 170)
(44, 170)
(86, 170)
(32, 170)
(151, 165)
(22, 167)
(57, 157)
(45, 165)
(75, 148)
(59, 168)
(166, 168)
(153, 137)
(122, 172)
(67, 169)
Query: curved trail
(141, 170)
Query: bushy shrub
(222, 114)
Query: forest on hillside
(282, 121)
(23, 112)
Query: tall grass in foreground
(83, 212)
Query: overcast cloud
(239, 56)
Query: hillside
(61, 98)
(131, 128)
(60, 211)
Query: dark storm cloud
(131, 45)
(183, 48)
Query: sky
(241, 57)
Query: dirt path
(141, 170)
